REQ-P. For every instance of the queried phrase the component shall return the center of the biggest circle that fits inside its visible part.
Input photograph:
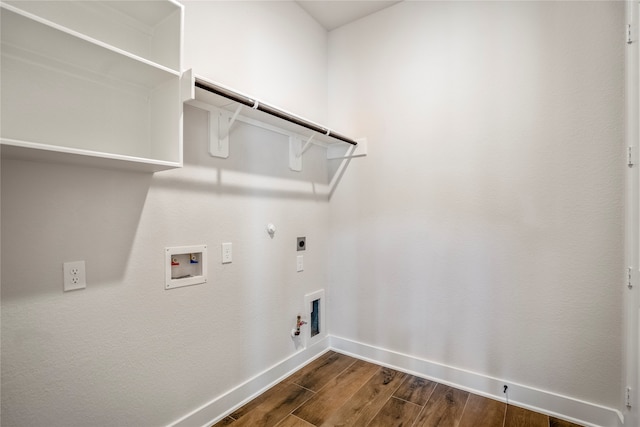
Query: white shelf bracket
(296, 150)
(307, 145)
(219, 121)
(295, 153)
(336, 151)
(220, 124)
(232, 120)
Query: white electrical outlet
(75, 276)
(299, 263)
(227, 253)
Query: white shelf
(24, 150)
(204, 97)
(52, 46)
(145, 28)
(226, 106)
(76, 96)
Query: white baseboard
(564, 407)
(221, 406)
(545, 402)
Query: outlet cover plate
(75, 276)
(227, 253)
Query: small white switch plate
(75, 276)
(227, 253)
(299, 263)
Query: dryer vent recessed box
(185, 266)
(301, 243)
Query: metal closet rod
(256, 105)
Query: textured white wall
(272, 50)
(485, 228)
(124, 351)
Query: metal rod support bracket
(219, 126)
(307, 145)
(295, 153)
(337, 152)
(232, 121)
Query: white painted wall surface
(272, 50)
(484, 230)
(124, 351)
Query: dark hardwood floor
(338, 390)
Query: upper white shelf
(38, 41)
(146, 29)
(94, 82)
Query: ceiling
(332, 14)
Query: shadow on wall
(54, 213)
(257, 166)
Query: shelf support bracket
(296, 150)
(230, 123)
(306, 145)
(295, 153)
(336, 151)
(220, 124)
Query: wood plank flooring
(339, 390)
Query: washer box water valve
(185, 266)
